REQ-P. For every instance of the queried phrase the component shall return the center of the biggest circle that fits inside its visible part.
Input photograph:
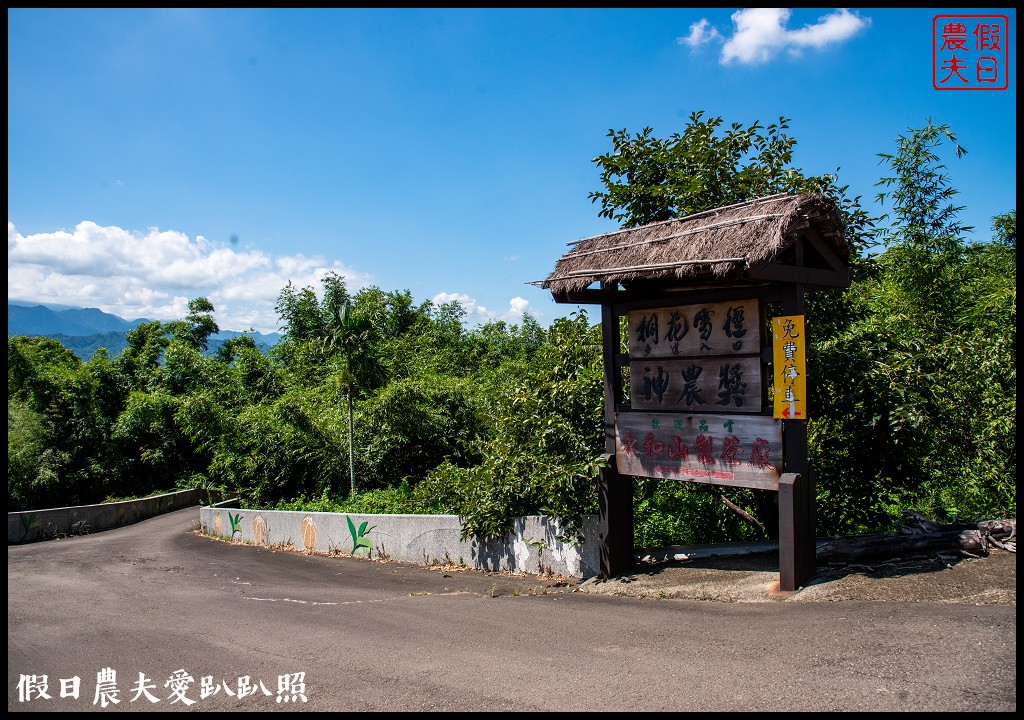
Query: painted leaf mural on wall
(359, 538)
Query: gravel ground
(752, 578)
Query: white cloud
(760, 34)
(701, 33)
(837, 27)
(155, 274)
(478, 314)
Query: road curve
(258, 630)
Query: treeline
(85, 346)
(431, 405)
(372, 402)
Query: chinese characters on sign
(697, 385)
(789, 363)
(695, 377)
(685, 358)
(291, 688)
(695, 330)
(970, 52)
(744, 451)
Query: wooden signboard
(709, 385)
(727, 328)
(739, 450)
(789, 354)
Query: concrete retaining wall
(32, 525)
(532, 546)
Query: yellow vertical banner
(789, 367)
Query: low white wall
(31, 525)
(532, 546)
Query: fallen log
(1000, 529)
(971, 539)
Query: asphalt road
(157, 604)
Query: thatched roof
(728, 243)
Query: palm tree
(349, 335)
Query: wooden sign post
(697, 385)
(700, 404)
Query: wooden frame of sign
(698, 412)
(691, 287)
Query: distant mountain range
(85, 330)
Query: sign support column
(615, 491)
(797, 540)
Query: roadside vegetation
(374, 403)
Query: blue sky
(158, 155)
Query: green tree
(412, 425)
(60, 452)
(544, 450)
(197, 327)
(153, 452)
(285, 447)
(916, 393)
(925, 240)
(300, 314)
(259, 378)
(31, 478)
(648, 179)
(990, 276)
(347, 339)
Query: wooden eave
(807, 261)
(771, 242)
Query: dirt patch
(987, 580)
